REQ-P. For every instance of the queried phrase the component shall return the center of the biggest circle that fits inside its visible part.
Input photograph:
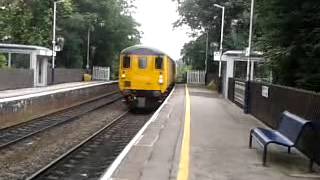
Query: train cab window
(126, 62)
(143, 62)
(159, 63)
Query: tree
(291, 41)
(112, 28)
(2, 61)
(287, 31)
(202, 16)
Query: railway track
(90, 158)
(17, 133)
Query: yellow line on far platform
(183, 172)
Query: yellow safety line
(183, 172)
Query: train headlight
(161, 79)
(123, 75)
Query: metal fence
(239, 92)
(101, 73)
(196, 77)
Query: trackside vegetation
(286, 31)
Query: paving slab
(219, 145)
(155, 155)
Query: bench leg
(264, 157)
(311, 166)
(289, 150)
(250, 141)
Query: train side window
(126, 62)
(143, 63)
(159, 62)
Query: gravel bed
(30, 155)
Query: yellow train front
(146, 76)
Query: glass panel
(159, 62)
(20, 61)
(143, 63)
(240, 69)
(126, 63)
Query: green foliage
(182, 70)
(3, 61)
(202, 16)
(287, 31)
(110, 23)
(291, 40)
(25, 22)
(194, 54)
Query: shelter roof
(26, 49)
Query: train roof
(142, 50)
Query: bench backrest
(291, 126)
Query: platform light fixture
(90, 30)
(250, 44)
(54, 37)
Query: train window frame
(143, 65)
(126, 62)
(157, 64)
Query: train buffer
(199, 135)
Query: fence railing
(239, 92)
(101, 73)
(196, 77)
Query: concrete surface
(32, 103)
(37, 90)
(219, 145)
(155, 155)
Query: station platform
(38, 90)
(22, 105)
(198, 135)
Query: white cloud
(156, 18)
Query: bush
(3, 61)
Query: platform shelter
(30, 57)
(234, 65)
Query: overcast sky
(156, 18)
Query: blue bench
(287, 134)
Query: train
(146, 76)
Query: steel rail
(39, 172)
(15, 138)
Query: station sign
(216, 56)
(247, 52)
(265, 91)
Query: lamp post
(88, 48)
(249, 44)
(54, 37)
(221, 39)
(206, 60)
(91, 28)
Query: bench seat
(266, 136)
